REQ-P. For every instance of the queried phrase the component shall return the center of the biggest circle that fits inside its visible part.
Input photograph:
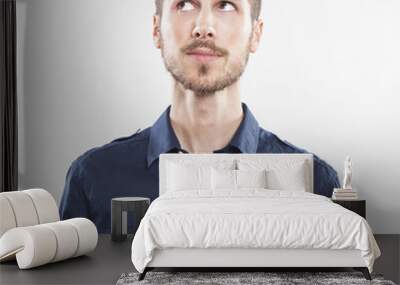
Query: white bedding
(251, 218)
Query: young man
(205, 45)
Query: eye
(226, 6)
(185, 5)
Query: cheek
(237, 45)
(176, 33)
(234, 34)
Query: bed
(247, 211)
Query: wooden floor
(389, 262)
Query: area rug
(268, 278)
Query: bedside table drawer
(357, 206)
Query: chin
(203, 81)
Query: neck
(205, 123)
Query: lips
(203, 54)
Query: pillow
(229, 179)
(251, 178)
(182, 177)
(281, 174)
(288, 178)
(223, 179)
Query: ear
(156, 31)
(258, 27)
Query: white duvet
(251, 218)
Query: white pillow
(223, 179)
(291, 178)
(181, 177)
(251, 178)
(227, 179)
(281, 174)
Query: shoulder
(118, 148)
(270, 142)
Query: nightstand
(357, 206)
(119, 214)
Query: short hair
(255, 8)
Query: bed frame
(260, 259)
(248, 259)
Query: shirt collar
(163, 139)
(246, 136)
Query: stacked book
(344, 194)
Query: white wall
(326, 78)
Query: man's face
(205, 44)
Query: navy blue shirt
(128, 166)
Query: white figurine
(347, 173)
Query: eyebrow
(237, 2)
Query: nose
(204, 25)
(203, 32)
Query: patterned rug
(243, 278)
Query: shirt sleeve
(73, 201)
